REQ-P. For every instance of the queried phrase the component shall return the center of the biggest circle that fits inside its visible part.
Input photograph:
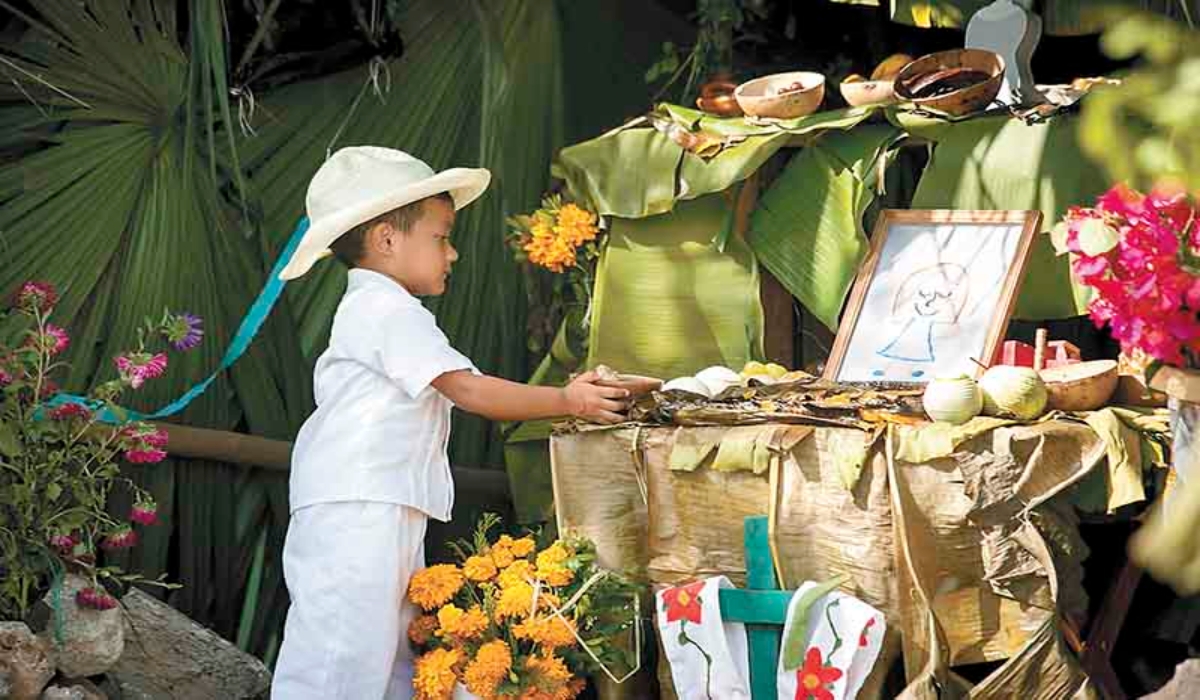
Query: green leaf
(53, 491)
(10, 442)
(1097, 237)
(807, 229)
(793, 645)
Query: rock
(25, 665)
(1185, 685)
(74, 690)
(171, 656)
(92, 640)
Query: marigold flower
(550, 674)
(422, 629)
(549, 631)
(434, 674)
(520, 571)
(515, 601)
(488, 669)
(479, 568)
(553, 556)
(460, 625)
(435, 586)
(502, 556)
(556, 575)
(523, 547)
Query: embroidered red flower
(812, 678)
(863, 639)
(683, 602)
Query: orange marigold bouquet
(514, 621)
(558, 246)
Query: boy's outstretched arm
(502, 400)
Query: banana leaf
(667, 302)
(638, 171)
(1003, 163)
(807, 229)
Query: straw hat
(359, 183)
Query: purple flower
(184, 331)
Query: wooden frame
(1029, 222)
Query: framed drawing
(933, 295)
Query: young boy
(369, 466)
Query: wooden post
(1039, 349)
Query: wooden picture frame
(929, 283)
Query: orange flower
(557, 576)
(435, 586)
(421, 629)
(523, 547)
(551, 678)
(550, 632)
(515, 601)
(460, 625)
(553, 556)
(520, 571)
(479, 569)
(434, 676)
(489, 668)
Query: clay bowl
(1082, 386)
(956, 82)
(868, 92)
(761, 98)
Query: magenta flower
(5, 377)
(156, 438)
(95, 598)
(144, 513)
(136, 368)
(184, 331)
(55, 339)
(122, 538)
(62, 542)
(70, 410)
(39, 296)
(145, 456)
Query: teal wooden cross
(761, 606)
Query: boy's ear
(379, 238)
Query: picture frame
(937, 289)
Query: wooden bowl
(1083, 386)
(969, 79)
(868, 92)
(760, 97)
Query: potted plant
(60, 460)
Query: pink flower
(157, 438)
(144, 513)
(70, 410)
(55, 339)
(95, 598)
(145, 456)
(39, 296)
(62, 542)
(136, 368)
(5, 377)
(122, 538)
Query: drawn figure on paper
(929, 296)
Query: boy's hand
(589, 400)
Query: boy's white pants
(347, 567)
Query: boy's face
(420, 259)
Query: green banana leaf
(667, 302)
(637, 171)
(807, 229)
(1003, 163)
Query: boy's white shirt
(380, 429)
